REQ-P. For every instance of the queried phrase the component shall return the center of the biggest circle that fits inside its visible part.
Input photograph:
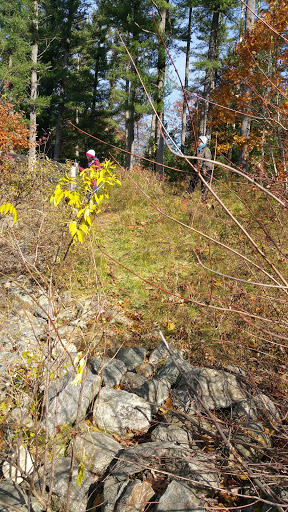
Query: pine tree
(131, 20)
(16, 48)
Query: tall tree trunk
(210, 75)
(159, 96)
(34, 91)
(127, 89)
(241, 23)
(61, 108)
(184, 110)
(131, 130)
(246, 121)
(96, 80)
(130, 121)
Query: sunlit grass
(160, 269)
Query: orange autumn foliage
(258, 64)
(14, 133)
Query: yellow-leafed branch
(9, 208)
(85, 208)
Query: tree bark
(34, 92)
(210, 76)
(184, 110)
(129, 123)
(246, 121)
(61, 108)
(159, 96)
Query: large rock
(245, 409)
(258, 406)
(19, 458)
(96, 450)
(66, 399)
(12, 496)
(168, 371)
(22, 297)
(216, 388)
(140, 458)
(196, 467)
(132, 380)
(80, 494)
(117, 412)
(172, 367)
(179, 498)
(132, 356)
(251, 440)
(153, 391)
(170, 433)
(112, 491)
(132, 497)
(161, 352)
(111, 370)
(267, 409)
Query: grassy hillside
(172, 262)
(210, 276)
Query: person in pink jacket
(95, 164)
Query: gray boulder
(153, 391)
(128, 497)
(96, 450)
(145, 369)
(168, 371)
(24, 298)
(117, 412)
(112, 491)
(177, 498)
(252, 433)
(132, 380)
(111, 370)
(267, 409)
(67, 398)
(245, 409)
(80, 494)
(140, 458)
(11, 496)
(131, 356)
(170, 433)
(258, 406)
(161, 352)
(172, 367)
(197, 467)
(216, 388)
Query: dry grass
(155, 249)
(158, 269)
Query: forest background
(65, 62)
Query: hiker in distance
(205, 169)
(92, 161)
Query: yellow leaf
(80, 473)
(170, 326)
(84, 228)
(80, 236)
(80, 368)
(86, 213)
(9, 208)
(73, 227)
